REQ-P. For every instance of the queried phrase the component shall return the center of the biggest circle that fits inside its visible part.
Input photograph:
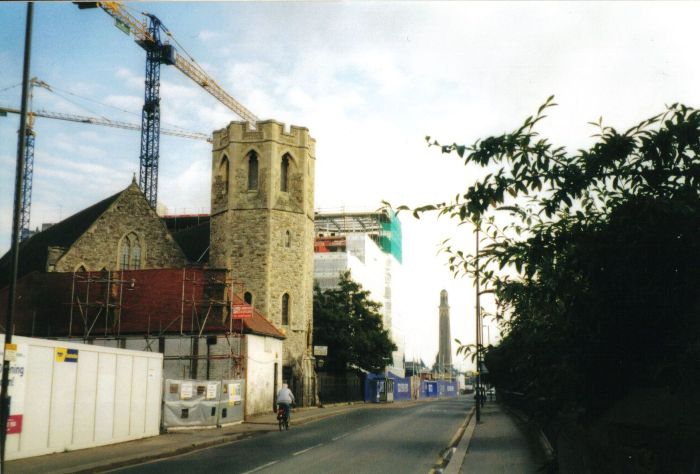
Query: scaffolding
(383, 227)
(110, 305)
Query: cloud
(208, 36)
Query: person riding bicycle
(285, 398)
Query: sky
(369, 79)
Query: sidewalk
(498, 444)
(147, 449)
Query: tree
(592, 256)
(350, 324)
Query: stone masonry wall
(98, 247)
(249, 227)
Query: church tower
(262, 230)
(445, 347)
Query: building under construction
(369, 245)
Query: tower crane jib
(147, 35)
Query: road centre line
(341, 436)
(261, 467)
(307, 449)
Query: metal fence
(348, 387)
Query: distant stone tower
(444, 358)
(262, 229)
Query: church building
(118, 274)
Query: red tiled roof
(154, 302)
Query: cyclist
(285, 398)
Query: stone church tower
(444, 358)
(262, 230)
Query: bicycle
(283, 416)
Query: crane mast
(148, 37)
(150, 116)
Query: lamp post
(478, 332)
(14, 251)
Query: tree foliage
(350, 324)
(593, 256)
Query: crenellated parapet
(267, 130)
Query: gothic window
(288, 239)
(124, 257)
(252, 171)
(285, 309)
(248, 297)
(135, 255)
(284, 173)
(130, 252)
(81, 268)
(224, 172)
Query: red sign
(14, 424)
(242, 311)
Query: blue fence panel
(371, 393)
(402, 388)
(431, 388)
(451, 389)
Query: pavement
(499, 443)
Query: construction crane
(105, 122)
(30, 138)
(27, 177)
(147, 35)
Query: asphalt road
(390, 439)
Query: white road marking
(307, 449)
(363, 427)
(341, 436)
(261, 467)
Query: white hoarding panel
(154, 396)
(85, 389)
(122, 396)
(104, 412)
(139, 383)
(69, 396)
(62, 401)
(37, 401)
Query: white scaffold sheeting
(202, 403)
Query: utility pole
(14, 249)
(478, 332)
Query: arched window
(288, 239)
(130, 252)
(285, 309)
(135, 254)
(252, 171)
(284, 173)
(126, 252)
(81, 268)
(224, 172)
(248, 297)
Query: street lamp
(478, 332)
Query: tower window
(224, 172)
(288, 239)
(284, 174)
(248, 297)
(252, 171)
(130, 252)
(285, 309)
